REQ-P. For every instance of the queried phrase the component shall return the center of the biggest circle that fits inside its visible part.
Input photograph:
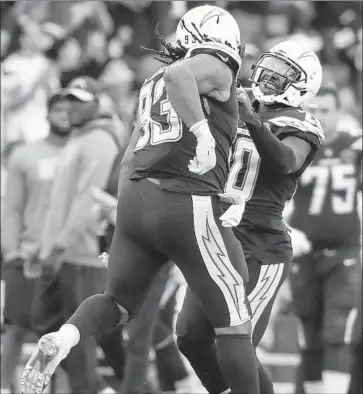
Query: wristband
(198, 125)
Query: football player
(324, 282)
(276, 142)
(170, 209)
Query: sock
(238, 363)
(335, 382)
(202, 357)
(95, 315)
(265, 381)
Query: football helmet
(212, 25)
(288, 73)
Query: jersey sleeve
(220, 51)
(307, 128)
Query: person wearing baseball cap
(84, 94)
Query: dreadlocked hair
(170, 54)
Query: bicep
(300, 147)
(213, 77)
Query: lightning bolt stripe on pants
(216, 260)
(267, 285)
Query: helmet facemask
(275, 77)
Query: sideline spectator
(69, 246)
(31, 171)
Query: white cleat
(42, 364)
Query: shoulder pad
(307, 124)
(220, 51)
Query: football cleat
(42, 364)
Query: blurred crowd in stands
(45, 45)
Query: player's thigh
(132, 266)
(340, 296)
(210, 258)
(307, 296)
(192, 322)
(264, 284)
(306, 288)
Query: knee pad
(244, 329)
(123, 311)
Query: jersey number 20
(165, 125)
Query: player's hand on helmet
(300, 243)
(246, 110)
(205, 158)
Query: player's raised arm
(200, 75)
(185, 82)
(284, 156)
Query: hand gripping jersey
(265, 191)
(326, 199)
(167, 145)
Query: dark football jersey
(325, 204)
(167, 146)
(265, 191)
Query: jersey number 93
(159, 121)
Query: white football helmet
(212, 25)
(291, 73)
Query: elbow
(288, 164)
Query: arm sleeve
(276, 155)
(13, 207)
(311, 138)
(97, 158)
(307, 128)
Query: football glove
(300, 242)
(205, 158)
(233, 215)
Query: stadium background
(104, 41)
